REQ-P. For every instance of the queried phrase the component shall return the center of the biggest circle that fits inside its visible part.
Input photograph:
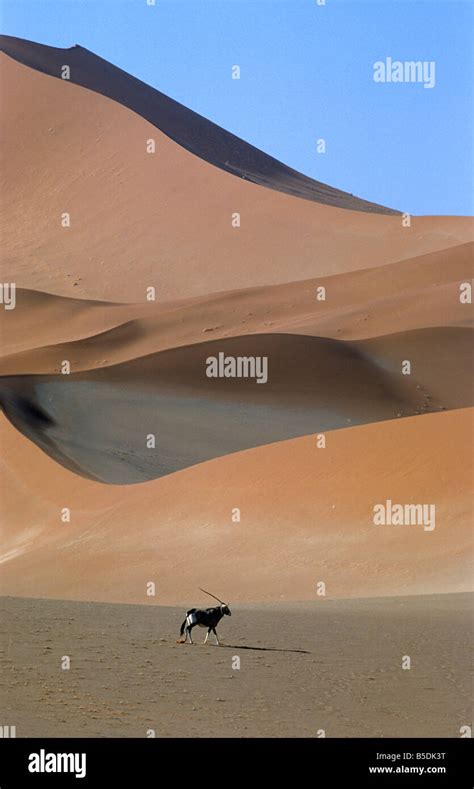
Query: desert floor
(304, 667)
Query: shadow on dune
(27, 413)
(187, 128)
(161, 413)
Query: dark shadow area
(25, 409)
(186, 127)
(267, 649)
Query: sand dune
(440, 359)
(162, 220)
(423, 292)
(98, 423)
(306, 516)
(190, 130)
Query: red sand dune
(418, 293)
(97, 423)
(306, 516)
(165, 219)
(190, 130)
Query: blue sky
(306, 74)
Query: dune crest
(189, 129)
(163, 220)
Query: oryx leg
(207, 636)
(188, 633)
(215, 633)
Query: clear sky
(306, 74)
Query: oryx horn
(212, 595)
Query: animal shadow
(266, 649)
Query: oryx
(208, 617)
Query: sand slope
(306, 516)
(422, 292)
(163, 220)
(190, 130)
(99, 423)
